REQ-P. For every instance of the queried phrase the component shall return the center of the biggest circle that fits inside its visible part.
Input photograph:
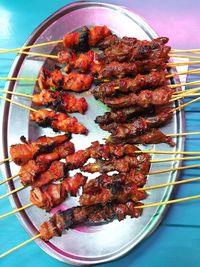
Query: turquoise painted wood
(176, 242)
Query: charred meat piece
(138, 126)
(86, 38)
(87, 214)
(22, 153)
(56, 171)
(145, 99)
(73, 81)
(122, 115)
(153, 136)
(153, 80)
(29, 172)
(58, 122)
(77, 160)
(115, 192)
(59, 152)
(120, 70)
(123, 165)
(104, 181)
(60, 101)
(122, 52)
(77, 40)
(55, 194)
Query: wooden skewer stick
(183, 134)
(166, 152)
(18, 104)
(30, 46)
(10, 178)
(174, 159)
(17, 94)
(139, 189)
(173, 201)
(17, 78)
(174, 169)
(184, 84)
(186, 104)
(20, 245)
(185, 50)
(169, 184)
(12, 192)
(184, 56)
(150, 173)
(174, 64)
(177, 93)
(38, 54)
(184, 94)
(16, 210)
(5, 160)
(195, 71)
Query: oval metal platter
(105, 242)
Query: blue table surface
(176, 242)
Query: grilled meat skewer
(60, 101)
(55, 194)
(58, 121)
(87, 215)
(22, 153)
(126, 85)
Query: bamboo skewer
(15, 93)
(186, 104)
(8, 179)
(18, 79)
(173, 201)
(4, 160)
(30, 46)
(184, 56)
(150, 173)
(139, 189)
(185, 50)
(195, 71)
(18, 104)
(183, 134)
(183, 63)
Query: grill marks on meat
(87, 215)
(123, 52)
(86, 38)
(96, 185)
(60, 101)
(60, 152)
(124, 164)
(55, 194)
(152, 80)
(144, 99)
(153, 136)
(120, 70)
(76, 82)
(138, 126)
(58, 121)
(22, 153)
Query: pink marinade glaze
(84, 229)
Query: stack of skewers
(133, 82)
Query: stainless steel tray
(95, 244)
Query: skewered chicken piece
(153, 136)
(22, 153)
(86, 38)
(73, 81)
(60, 101)
(138, 126)
(87, 214)
(124, 164)
(59, 152)
(99, 151)
(96, 185)
(39, 174)
(58, 121)
(55, 194)
(145, 99)
(114, 192)
(152, 80)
